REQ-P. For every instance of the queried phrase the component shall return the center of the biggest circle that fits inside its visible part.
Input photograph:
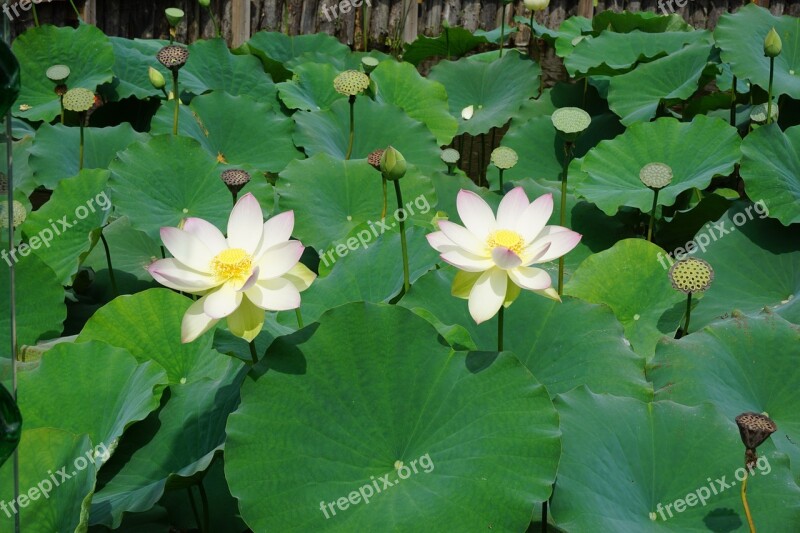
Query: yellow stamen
(232, 264)
(507, 239)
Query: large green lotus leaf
(563, 344)
(496, 90)
(741, 364)
(612, 53)
(177, 442)
(630, 280)
(756, 264)
(628, 21)
(569, 34)
(132, 59)
(279, 52)
(696, 151)
(40, 307)
(422, 99)
(148, 325)
(377, 125)
(771, 170)
(212, 66)
(311, 87)
(451, 42)
(42, 452)
(626, 462)
(331, 197)
(479, 417)
(71, 380)
(85, 50)
(235, 129)
(635, 96)
(175, 178)
(54, 155)
(740, 36)
(78, 208)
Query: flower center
(507, 239)
(232, 264)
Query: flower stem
(769, 91)
(500, 329)
(75, 9)
(177, 102)
(501, 180)
(61, 102)
(253, 354)
(733, 103)
(214, 21)
(299, 316)
(235, 196)
(403, 244)
(652, 217)
(385, 198)
(112, 278)
(502, 29)
(746, 506)
(688, 315)
(35, 16)
(563, 213)
(352, 128)
(364, 26)
(80, 149)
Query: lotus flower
(496, 255)
(256, 268)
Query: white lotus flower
(536, 5)
(495, 254)
(256, 268)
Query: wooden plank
(410, 29)
(240, 22)
(586, 8)
(89, 12)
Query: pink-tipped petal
(511, 208)
(175, 275)
(561, 241)
(251, 280)
(207, 232)
(277, 230)
(195, 322)
(462, 237)
(275, 295)
(487, 295)
(505, 258)
(222, 302)
(278, 260)
(535, 217)
(475, 213)
(187, 249)
(466, 261)
(532, 279)
(246, 224)
(439, 241)
(531, 255)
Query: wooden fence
(241, 18)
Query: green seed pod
(156, 78)
(174, 16)
(772, 44)
(393, 164)
(204, 3)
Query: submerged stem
(403, 244)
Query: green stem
(563, 213)
(352, 127)
(61, 102)
(299, 316)
(501, 180)
(194, 506)
(166, 94)
(235, 196)
(403, 244)
(447, 41)
(747, 514)
(214, 21)
(500, 329)
(733, 103)
(503, 29)
(206, 510)
(769, 92)
(80, 149)
(75, 9)
(482, 170)
(253, 354)
(688, 314)
(112, 278)
(177, 102)
(652, 217)
(385, 198)
(35, 16)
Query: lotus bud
(393, 164)
(204, 3)
(772, 44)
(156, 78)
(174, 16)
(536, 5)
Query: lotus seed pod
(174, 16)
(759, 113)
(772, 44)
(467, 112)
(450, 156)
(235, 179)
(19, 216)
(570, 122)
(656, 175)
(691, 275)
(204, 3)
(351, 83)
(78, 100)
(173, 57)
(369, 63)
(374, 158)
(754, 428)
(536, 5)
(504, 157)
(393, 164)
(156, 78)
(58, 73)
